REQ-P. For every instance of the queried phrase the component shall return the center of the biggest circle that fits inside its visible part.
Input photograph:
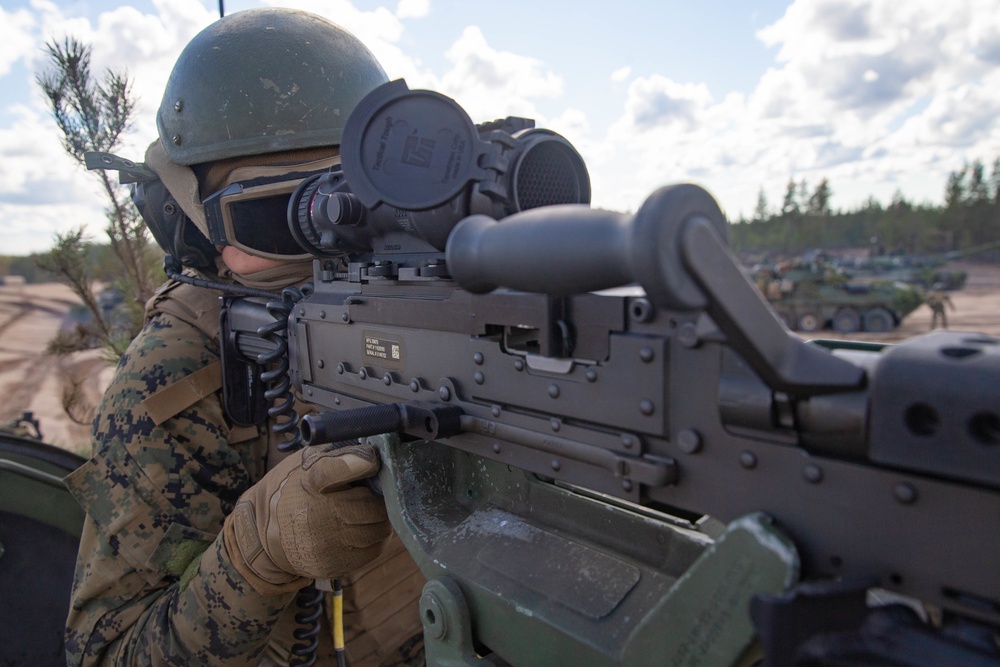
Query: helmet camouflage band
(262, 81)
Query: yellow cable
(338, 621)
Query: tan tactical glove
(303, 521)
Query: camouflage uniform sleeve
(154, 584)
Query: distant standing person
(937, 300)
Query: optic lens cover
(414, 150)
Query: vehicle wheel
(809, 322)
(846, 321)
(878, 320)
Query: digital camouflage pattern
(154, 584)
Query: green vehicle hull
(40, 526)
(846, 307)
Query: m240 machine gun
(599, 443)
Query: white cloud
(17, 39)
(144, 46)
(873, 95)
(574, 126)
(490, 83)
(621, 73)
(413, 9)
(657, 101)
(42, 191)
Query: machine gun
(601, 445)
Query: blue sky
(876, 96)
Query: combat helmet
(263, 81)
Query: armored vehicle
(810, 297)
(924, 271)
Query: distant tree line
(99, 259)
(969, 217)
(26, 267)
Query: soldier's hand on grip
(304, 520)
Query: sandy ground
(30, 315)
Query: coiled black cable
(279, 306)
(310, 602)
(286, 422)
(279, 393)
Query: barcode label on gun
(379, 348)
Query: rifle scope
(414, 162)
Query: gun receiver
(604, 448)
(688, 397)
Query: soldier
(200, 531)
(937, 300)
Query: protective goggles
(253, 217)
